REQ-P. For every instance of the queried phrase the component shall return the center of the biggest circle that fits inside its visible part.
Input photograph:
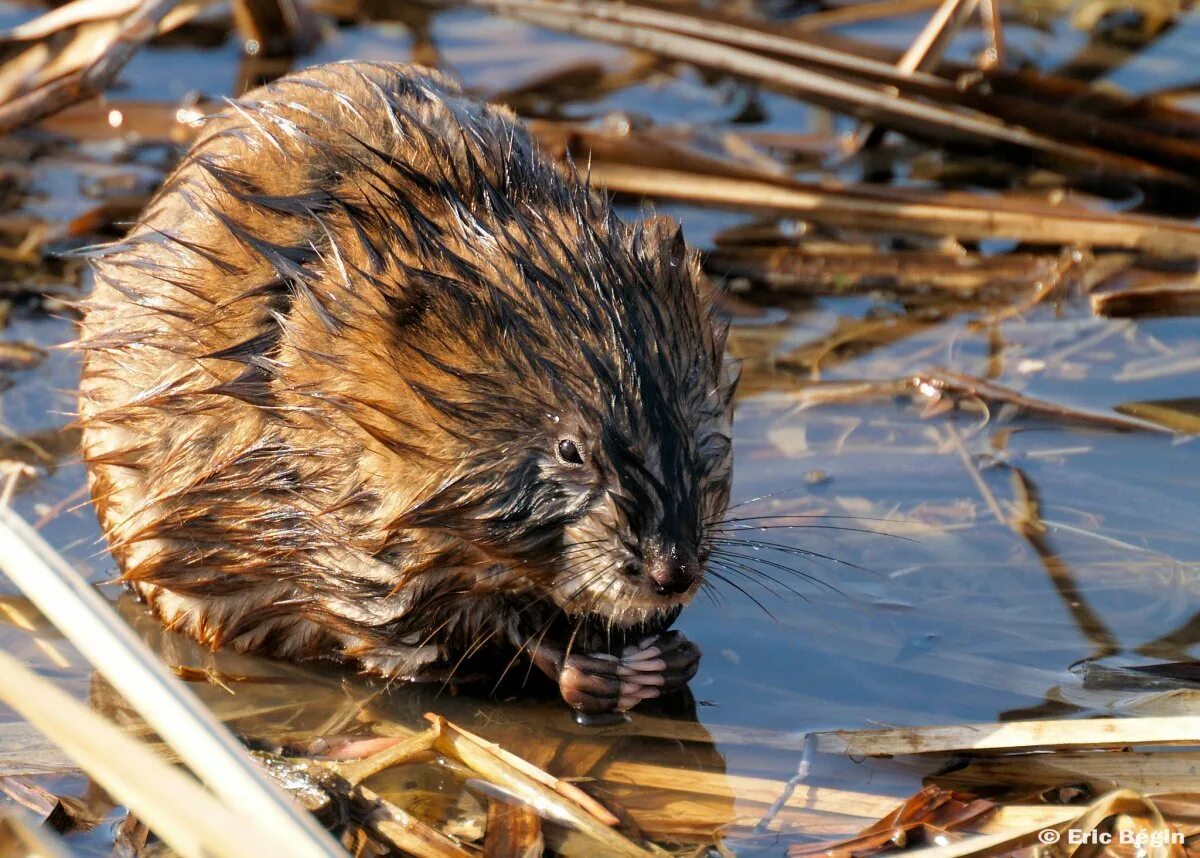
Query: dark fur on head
(373, 378)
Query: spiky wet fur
(324, 376)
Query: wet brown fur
(324, 376)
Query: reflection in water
(311, 711)
(1028, 523)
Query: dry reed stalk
(87, 11)
(854, 88)
(178, 809)
(404, 831)
(924, 54)
(1147, 772)
(1067, 818)
(993, 31)
(1012, 736)
(500, 769)
(746, 788)
(404, 750)
(274, 27)
(831, 271)
(857, 13)
(564, 788)
(863, 210)
(202, 742)
(939, 383)
(512, 831)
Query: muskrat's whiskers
(810, 516)
(767, 496)
(476, 645)
(580, 548)
(730, 565)
(579, 620)
(395, 676)
(577, 572)
(758, 544)
(729, 555)
(730, 527)
(744, 592)
(710, 591)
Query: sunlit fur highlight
(324, 377)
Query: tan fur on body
(325, 375)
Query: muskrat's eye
(568, 452)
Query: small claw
(642, 655)
(656, 665)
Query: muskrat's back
(372, 379)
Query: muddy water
(951, 564)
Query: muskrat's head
(587, 411)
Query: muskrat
(373, 379)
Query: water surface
(943, 610)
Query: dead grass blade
(909, 213)
(186, 817)
(404, 831)
(930, 813)
(1178, 415)
(401, 752)
(1012, 736)
(512, 831)
(859, 86)
(833, 270)
(90, 623)
(562, 802)
(1160, 839)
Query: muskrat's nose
(671, 572)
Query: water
(945, 611)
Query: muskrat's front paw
(600, 684)
(659, 665)
(590, 684)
